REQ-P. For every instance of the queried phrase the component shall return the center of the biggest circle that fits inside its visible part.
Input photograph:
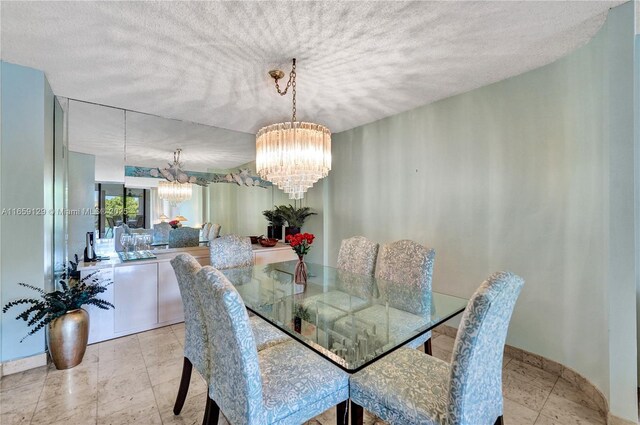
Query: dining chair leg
(357, 414)
(499, 421)
(342, 412)
(427, 347)
(211, 412)
(184, 386)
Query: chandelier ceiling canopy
(293, 155)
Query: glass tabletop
(352, 320)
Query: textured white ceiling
(207, 62)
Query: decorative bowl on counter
(268, 242)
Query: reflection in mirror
(96, 155)
(151, 142)
(109, 199)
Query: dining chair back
(214, 232)
(475, 394)
(139, 222)
(406, 267)
(356, 266)
(184, 237)
(235, 372)
(186, 267)
(161, 232)
(196, 339)
(205, 231)
(231, 251)
(358, 255)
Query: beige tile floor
(134, 380)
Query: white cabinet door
(101, 321)
(136, 297)
(274, 256)
(170, 307)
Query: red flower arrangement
(301, 242)
(174, 224)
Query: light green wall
(534, 175)
(26, 146)
(621, 273)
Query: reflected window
(120, 205)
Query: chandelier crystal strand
(293, 155)
(174, 192)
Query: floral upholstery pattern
(296, 391)
(356, 265)
(230, 251)
(195, 339)
(405, 269)
(161, 232)
(478, 349)
(265, 334)
(183, 237)
(405, 387)
(235, 383)
(284, 384)
(469, 391)
(358, 255)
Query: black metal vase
(297, 324)
(274, 232)
(291, 231)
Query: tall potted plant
(61, 311)
(295, 217)
(276, 221)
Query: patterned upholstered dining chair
(161, 232)
(231, 251)
(408, 387)
(283, 384)
(214, 232)
(356, 265)
(195, 345)
(184, 237)
(404, 273)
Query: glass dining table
(352, 320)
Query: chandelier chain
(291, 83)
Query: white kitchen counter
(146, 293)
(281, 250)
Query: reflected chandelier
(177, 187)
(293, 155)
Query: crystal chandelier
(177, 188)
(293, 155)
(174, 192)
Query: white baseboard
(20, 365)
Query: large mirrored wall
(95, 144)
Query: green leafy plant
(295, 216)
(72, 271)
(301, 312)
(49, 306)
(114, 206)
(274, 217)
